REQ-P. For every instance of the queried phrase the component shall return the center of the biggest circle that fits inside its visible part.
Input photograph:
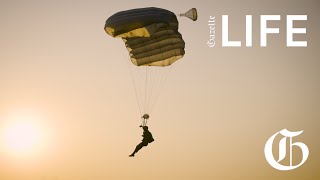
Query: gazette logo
(282, 150)
(264, 30)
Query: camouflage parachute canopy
(150, 35)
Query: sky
(61, 74)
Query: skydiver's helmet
(145, 128)
(145, 116)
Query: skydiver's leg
(138, 147)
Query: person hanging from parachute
(147, 136)
(153, 41)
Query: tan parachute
(153, 41)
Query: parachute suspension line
(156, 88)
(149, 90)
(162, 80)
(138, 86)
(154, 79)
(141, 84)
(155, 73)
(145, 86)
(132, 79)
(159, 73)
(139, 77)
(148, 82)
(145, 91)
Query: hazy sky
(60, 71)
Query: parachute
(153, 41)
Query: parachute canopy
(150, 34)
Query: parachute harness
(144, 118)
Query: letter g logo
(282, 150)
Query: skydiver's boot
(131, 155)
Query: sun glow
(23, 136)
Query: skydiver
(147, 138)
